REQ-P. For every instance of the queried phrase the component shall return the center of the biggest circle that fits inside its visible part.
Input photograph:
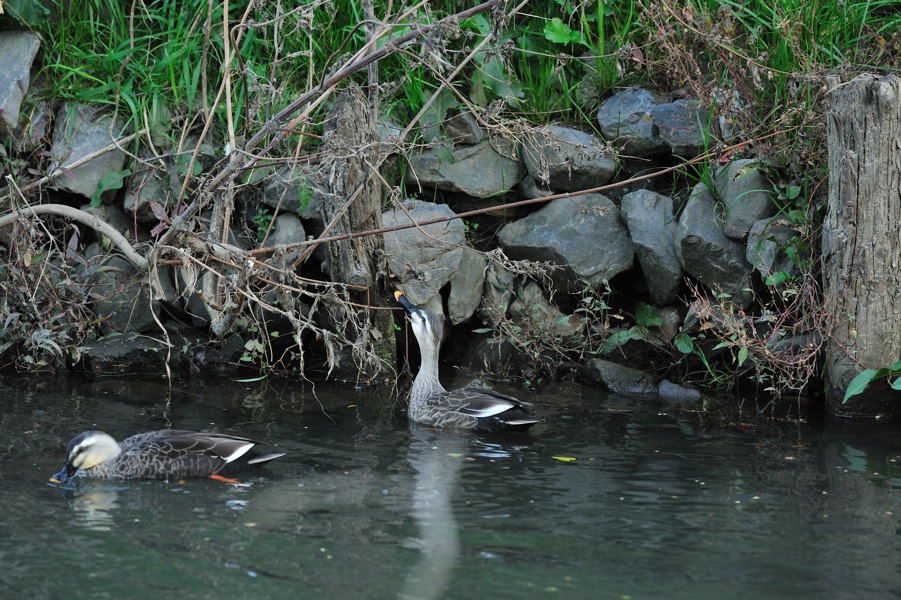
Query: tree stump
(352, 202)
(862, 241)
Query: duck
(471, 407)
(162, 454)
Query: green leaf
(647, 316)
(111, 181)
(859, 383)
(792, 191)
(558, 32)
(742, 355)
(252, 379)
(621, 337)
(483, 330)
(684, 343)
(29, 13)
(896, 384)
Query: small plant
(863, 379)
(261, 221)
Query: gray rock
(767, 242)
(706, 253)
(617, 378)
(582, 234)
(122, 297)
(130, 354)
(483, 170)
(463, 128)
(626, 117)
(120, 221)
(141, 190)
(80, 130)
(288, 230)
(681, 125)
(649, 217)
(499, 288)
(17, 52)
(567, 159)
(675, 394)
(495, 356)
(746, 194)
(293, 193)
(425, 259)
(466, 286)
(529, 188)
(538, 318)
(31, 133)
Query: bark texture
(352, 202)
(862, 240)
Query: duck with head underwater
(163, 454)
(470, 407)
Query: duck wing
(172, 453)
(494, 411)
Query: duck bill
(402, 300)
(63, 475)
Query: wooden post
(353, 203)
(862, 241)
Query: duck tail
(264, 458)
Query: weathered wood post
(353, 203)
(862, 240)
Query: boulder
(675, 394)
(767, 242)
(424, 259)
(81, 130)
(617, 378)
(652, 227)
(584, 235)
(293, 193)
(681, 125)
(287, 230)
(538, 318)
(567, 159)
(626, 118)
(706, 253)
(486, 169)
(463, 128)
(746, 194)
(34, 129)
(121, 296)
(141, 190)
(529, 188)
(17, 52)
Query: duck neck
(426, 384)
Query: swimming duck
(163, 454)
(470, 407)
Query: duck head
(427, 328)
(87, 449)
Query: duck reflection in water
(436, 456)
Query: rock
(706, 253)
(463, 128)
(675, 394)
(130, 354)
(486, 169)
(492, 355)
(141, 190)
(17, 52)
(293, 193)
(529, 188)
(681, 125)
(30, 134)
(567, 232)
(538, 318)
(746, 194)
(288, 230)
(652, 227)
(119, 221)
(567, 159)
(766, 247)
(80, 130)
(425, 260)
(466, 286)
(121, 296)
(499, 288)
(617, 378)
(626, 117)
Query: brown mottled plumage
(466, 408)
(163, 454)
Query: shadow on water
(611, 497)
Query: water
(610, 498)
